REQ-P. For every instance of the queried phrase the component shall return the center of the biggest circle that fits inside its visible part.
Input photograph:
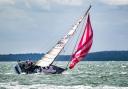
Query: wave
(15, 85)
(87, 75)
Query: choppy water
(86, 75)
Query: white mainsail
(49, 57)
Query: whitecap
(123, 72)
(123, 66)
(15, 85)
(66, 72)
(9, 73)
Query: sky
(35, 26)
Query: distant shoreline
(95, 56)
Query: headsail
(84, 45)
(49, 57)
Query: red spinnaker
(84, 45)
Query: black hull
(19, 70)
(59, 70)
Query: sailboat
(45, 64)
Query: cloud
(48, 4)
(45, 3)
(115, 2)
(68, 2)
(39, 4)
(60, 2)
(7, 2)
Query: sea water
(85, 75)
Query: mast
(49, 57)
